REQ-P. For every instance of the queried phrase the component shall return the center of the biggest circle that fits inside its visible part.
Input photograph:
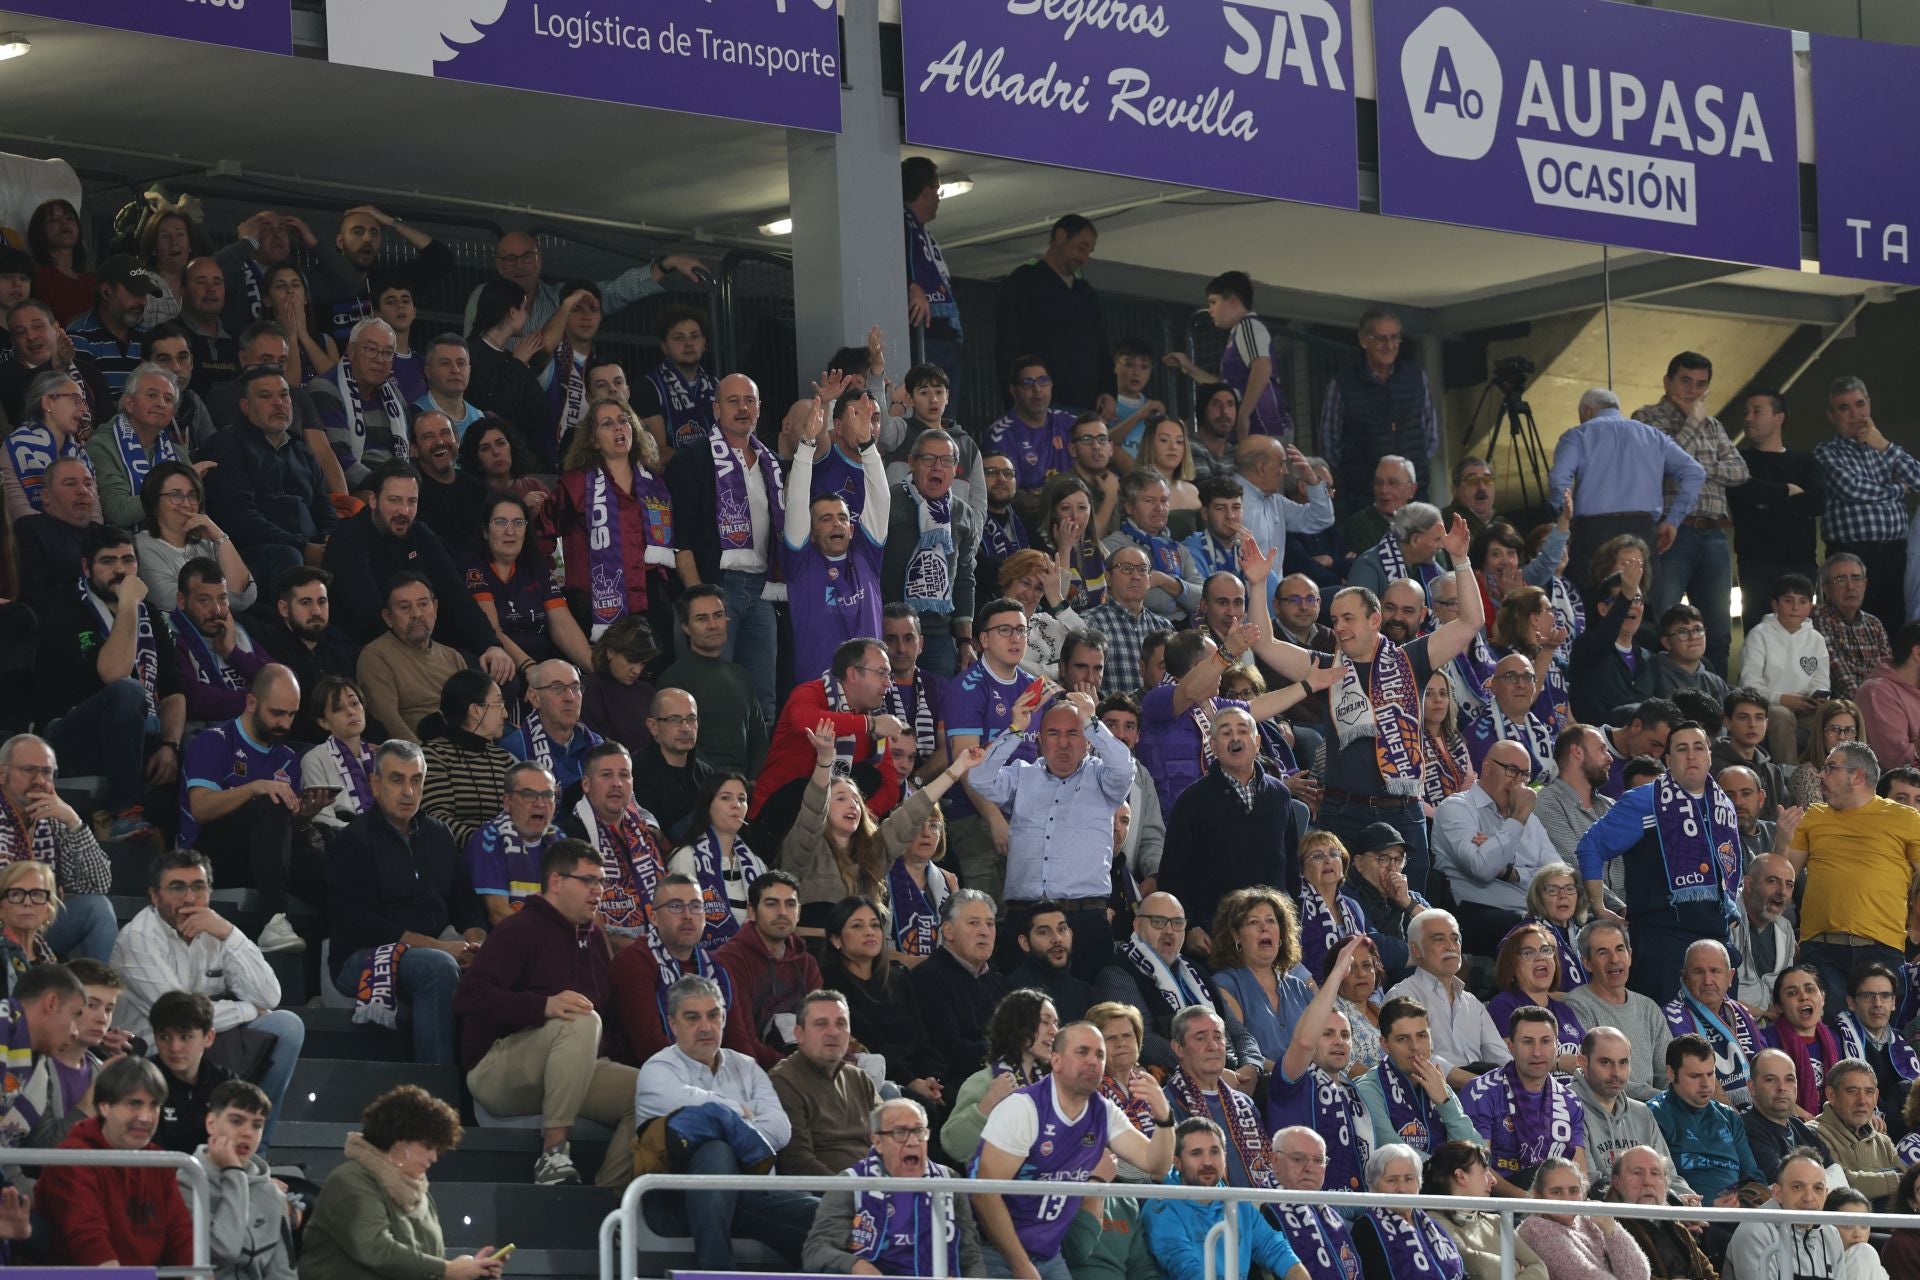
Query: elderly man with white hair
(1620, 467)
(890, 1233)
(1320, 1237)
(363, 411)
(1705, 1007)
(1395, 482)
(1463, 1030)
(1411, 549)
(140, 435)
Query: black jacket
(68, 663)
(1040, 314)
(1214, 845)
(328, 658)
(1771, 1143)
(1597, 677)
(48, 552)
(456, 511)
(1769, 524)
(262, 496)
(696, 500)
(363, 560)
(1072, 996)
(501, 384)
(16, 375)
(381, 884)
(958, 1007)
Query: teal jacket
(1176, 1230)
(1709, 1144)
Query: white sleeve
(1252, 340)
(1014, 1125)
(250, 980)
(1116, 1118)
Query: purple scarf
(567, 392)
(1410, 1112)
(1321, 931)
(354, 767)
(1244, 1130)
(1513, 1148)
(1854, 1043)
(378, 997)
(207, 665)
(733, 513)
(710, 867)
(893, 1230)
(1699, 842)
(916, 910)
(1320, 1240)
(1001, 536)
(1810, 1062)
(606, 569)
(631, 860)
(146, 652)
(1572, 972)
(671, 972)
(1418, 1248)
(687, 404)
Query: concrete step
(332, 1033)
(503, 1156)
(333, 1090)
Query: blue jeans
(778, 1219)
(427, 981)
(939, 656)
(1698, 565)
(1347, 819)
(107, 734)
(84, 927)
(752, 634)
(995, 1264)
(1836, 961)
(289, 1037)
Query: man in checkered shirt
(1868, 480)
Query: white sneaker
(279, 936)
(555, 1168)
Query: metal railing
(622, 1223)
(200, 1198)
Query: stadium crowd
(877, 784)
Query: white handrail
(625, 1218)
(201, 1199)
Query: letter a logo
(1452, 82)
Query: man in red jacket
(104, 1215)
(853, 695)
(533, 1034)
(771, 973)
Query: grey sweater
(1643, 1022)
(1630, 1124)
(249, 1233)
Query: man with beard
(1403, 611)
(1047, 943)
(402, 671)
(453, 503)
(386, 539)
(39, 343)
(1473, 494)
(300, 643)
(1705, 1008)
(669, 770)
(216, 355)
(240, 792)
(266, 488)
(1318, 1233)
(216, 656)
(1773, 1122)
(1510, 717)
(110, 699)
(1857, 853)
(1216, 421)
(342, 291)
(1002, 532)
(37, 825)
(1763, 934)
(1640, 1177)
(1178, 1230)
(1231, 829)
(892, 1231)
(111, 331)
(1572, 802)
(1523, 1111)
(1606, 1000)
(1679, 840)
(914, 697)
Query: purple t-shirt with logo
(978, 704)
(832, 601)
(1037, 452)
(1170, 744)
(835, 472)
(222, 757)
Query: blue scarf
(207, 665)
(1699, 842)
(1163, 553)
(31, 450)
(710, 867)
(1733, 1047)
(916, 910)
(929, 576)
(133, 454)
(893, 1230)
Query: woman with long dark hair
(466, 769)
(1067, 518)
(55, 239)
(717, 857)
(514, 588)
(881, 1003)
(1019, 1052)
(502, 380)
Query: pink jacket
(1583, 1251)
(1891, 708)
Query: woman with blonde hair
(1042, 582)
(1836, 722)
(1255, 958)
(613, 516)
(1166, 451)
(29, 900)
(1328, 917)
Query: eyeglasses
(675, 722)
(1028, 384)
(901, 1134)
(1686, 633)
(1311, 1162)
(1516, 677)
(937, 459)
(560, 686)
(1390, 858)
(34, 771)
(1834, 578)
(1873, 995)
(1514, 771)
(679, 907)
(179, 497)
(1560, 890)
(186, 888)
(582, 877)
(876, 672)
(1000, 473)
(1129, 570)
(1545, 951)
(1093, 437)
(1445, 602)
(377, 353)
(1008, 629)
(38, 897)
(1384, 339)
(1162, 922)
(529, 794)
(1300, 602)
(1321, 855)
(526, 259)
(508, 522)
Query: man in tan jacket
(1845, 1124)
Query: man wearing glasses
(1857, 644)
(852, 695)
(1488, 842)
(1033, 433)
(517, 258)
(666, 951)
(503, 858)
(36, 824)
(532, 1007)
(1378, 405)
(552, 735)
(892, 1231)
(1124, 618)
(932, 543)
(838, 508)
(363, 411)
(1510, 718)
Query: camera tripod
(1523, 443)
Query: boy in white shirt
(1786, 659)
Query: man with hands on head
(1024, 1233)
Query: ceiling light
(14, 45)
(778, 227)
(955, 184)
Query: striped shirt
(1124, 632)
(1707, 443)
(1866, 490)
(464, 784)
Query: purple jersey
(1171, 746)
(834, 472)
(1334, 1109)
(1061, 1152)
(1522, 1128)
(832, 601)
(222, 757)
(1037, 452)
(501, 864)
(978, 704)
(1571, 1032)
(1250, 341)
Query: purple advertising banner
(1591, 120)
(769, 61)
(1869, 184)
(265, 25)
(1254, 96)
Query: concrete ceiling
(144, 107)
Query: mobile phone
(505, 1251)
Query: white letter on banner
(1290, 44)
(1610, 182)
(1536, 100)
(1749, 133)
(1707, 100)
(1570, 93)
(1452, 81)
(1629, 101)
(1893, 244)
(1670, 119)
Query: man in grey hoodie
(251, 1231)
(1788, 1251)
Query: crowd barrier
(200, 1197)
